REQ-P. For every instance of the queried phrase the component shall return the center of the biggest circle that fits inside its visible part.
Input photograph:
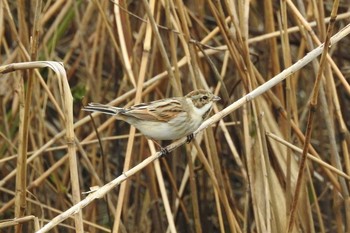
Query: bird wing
(161, 110)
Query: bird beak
(216, 98)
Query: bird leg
(163, 151)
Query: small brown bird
(165, 119)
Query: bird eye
(205, 97)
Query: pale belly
(167, 131)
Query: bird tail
(110, 110)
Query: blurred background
(239, 176)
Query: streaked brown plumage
(165, 119)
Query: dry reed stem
(289, 100)
(309, 156)
(22, 220)
(163, 191)
(194, 193)
(180, 191)
(21, 176)
(25, 103)
(43, 206)
(160, 44)
(313, 105)
(121, 27)
(215, 164)
(127, 162)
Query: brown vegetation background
(240, 175)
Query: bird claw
(189, 138)
(163, 152)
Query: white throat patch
(200, 111)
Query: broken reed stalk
(67, 102)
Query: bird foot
(189, 138)
(163, 152)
